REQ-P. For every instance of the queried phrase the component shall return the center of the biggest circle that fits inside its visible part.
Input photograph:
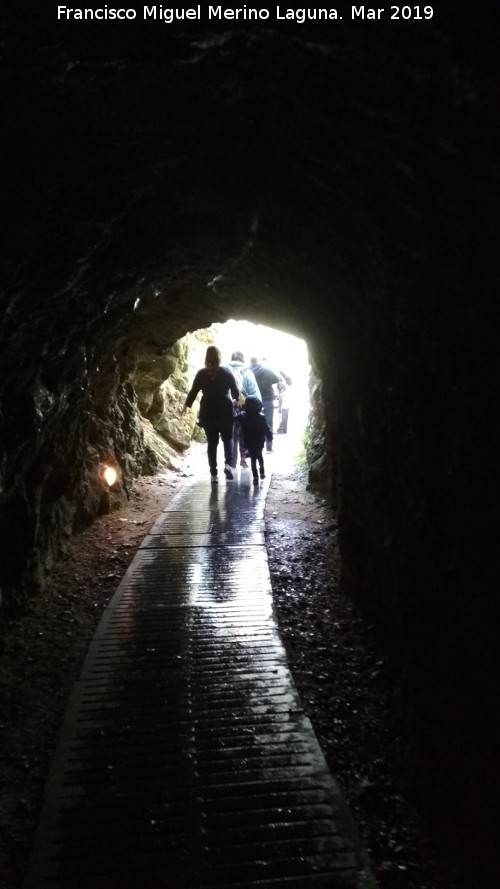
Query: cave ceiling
(161, 179)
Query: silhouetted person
(255, 433)
(245, 380)
(284, 405)
(266, 380)
(216, 415)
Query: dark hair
(253, 404)
(237, 356)
(213, 357)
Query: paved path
(185, 758)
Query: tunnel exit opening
(284, 353)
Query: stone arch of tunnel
(340, 188)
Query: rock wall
(342, 188)
(161, 377)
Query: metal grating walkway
(185, 758)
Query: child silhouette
(255, 432)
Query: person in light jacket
(245, 380)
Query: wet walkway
(185, 758)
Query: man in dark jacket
(266, 380)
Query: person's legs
(260, 459)
(238, 446)
(212, 434)
(283, 426)
(243, 450)
(268, 408)
(226, 433)
(253, 463)
(236, 439)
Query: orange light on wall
(110, 475)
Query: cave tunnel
(341, 185)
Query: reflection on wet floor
(185, 758)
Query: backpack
(237, 373)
